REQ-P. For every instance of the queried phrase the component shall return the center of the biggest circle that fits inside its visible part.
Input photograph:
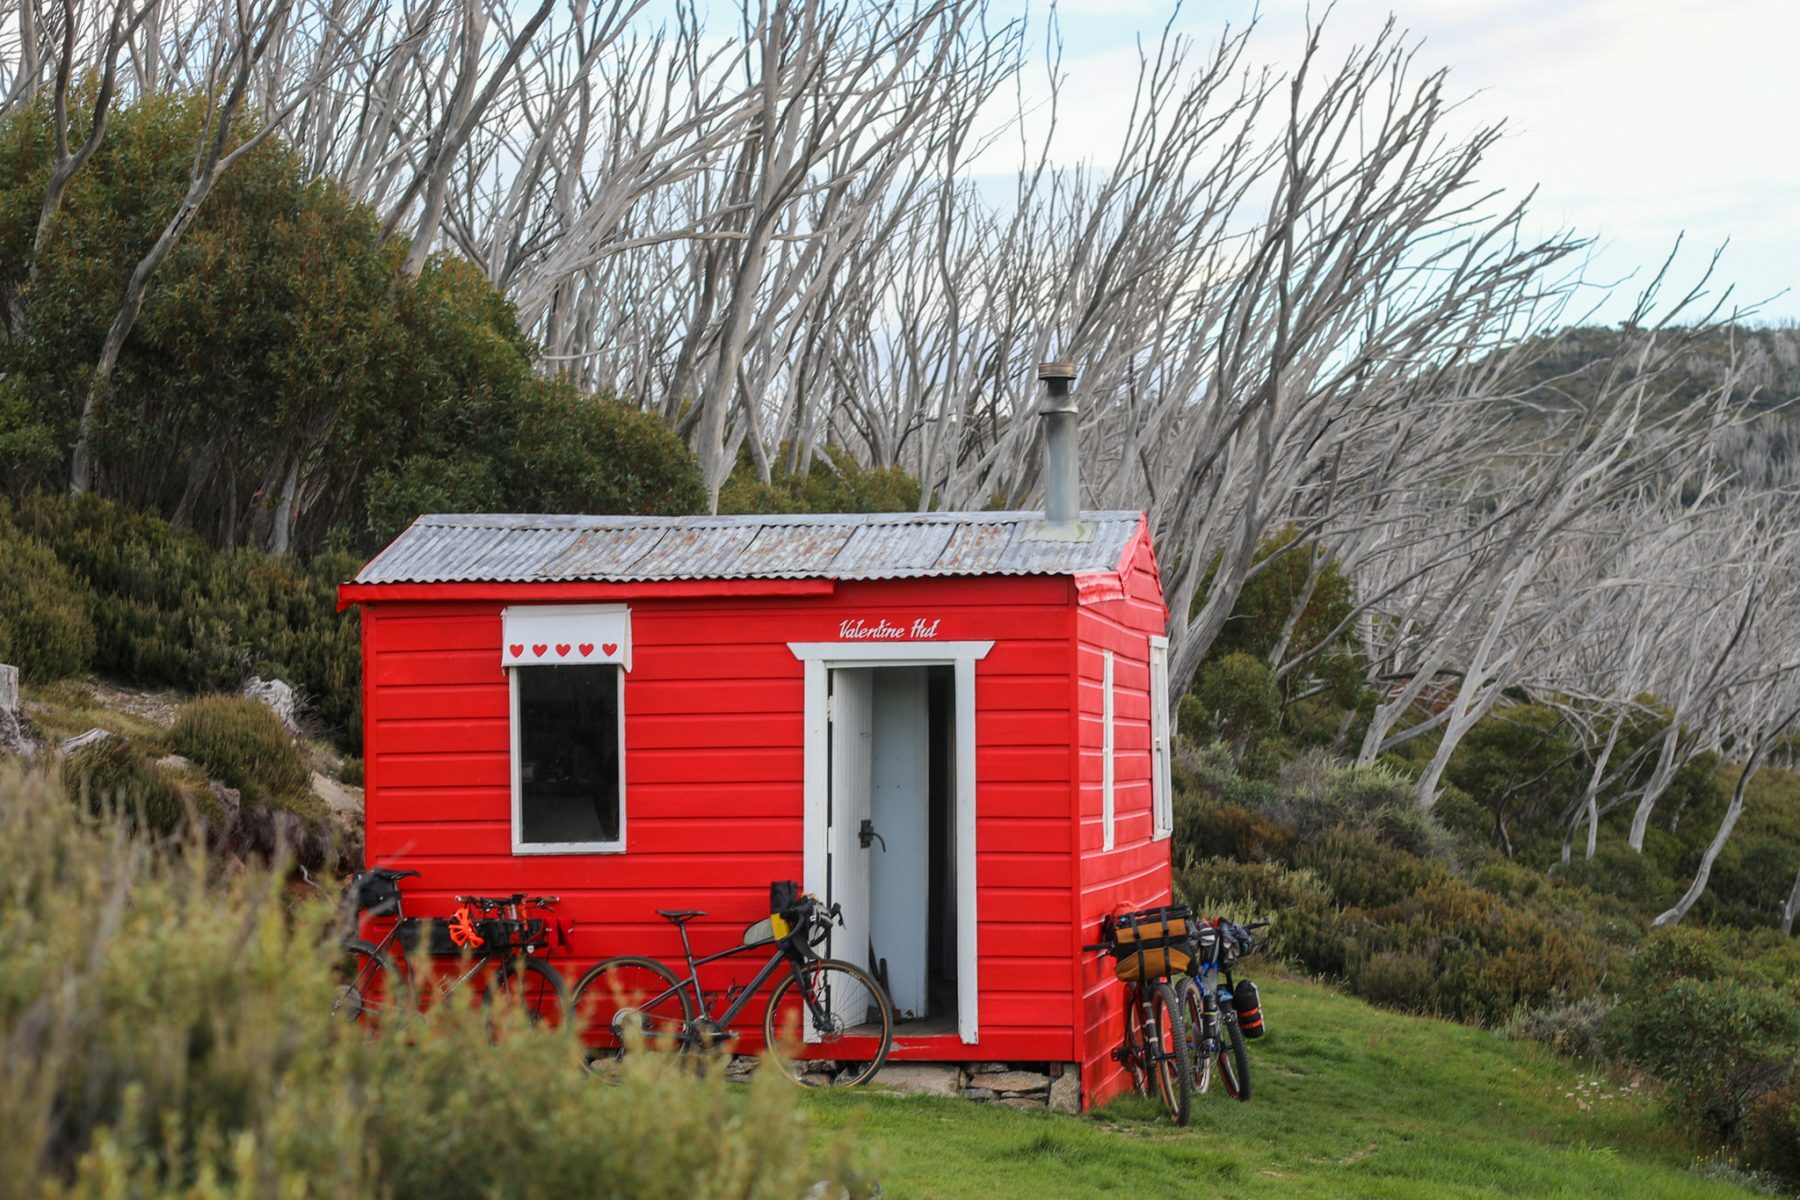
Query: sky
(1637, 121)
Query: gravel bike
(1156, 1048)
(826, 1022)
(490, 937)
(1207, 995)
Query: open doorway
(892, 819)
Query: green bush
(241, 742)
(120, 775)
(1720, 1038)
(1771, 1140)
(1236, 700)
(1397, 979)
(167, 611)
(833, 483)
(576, 453)
(45, 630)
(181, 1045)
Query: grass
(1350, 1100)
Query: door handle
(867, 834)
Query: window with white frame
(1162, 799)
(1106, 747)
(566, 667)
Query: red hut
(955, 725)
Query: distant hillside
(1767, 361)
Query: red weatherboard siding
(713, 737)
(1135, 874)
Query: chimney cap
(1060, 369)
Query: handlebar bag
(1151, 944)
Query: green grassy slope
(1350, 1101)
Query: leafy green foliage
(169, 612)
(180, 1045)
(241, 742)
(44, 626)
(1722, 1038)
(834, 483)
(1772, 1134)
(280, 342)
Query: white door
(899, 853)
(851, 711)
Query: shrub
(183, 1046)
(241, 742)
(168, 611)
(1771, 1139)
(1363, 873)
(118, 774)
(576, 453)
(1574, 1027)
(1237, 700)
(1397, 979)
(1722, 1039)
(45, 629)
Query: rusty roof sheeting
(528, 548)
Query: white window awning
(561, 635)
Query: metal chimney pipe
(1062, 456)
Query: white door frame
(820, 658)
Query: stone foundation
(1055, 1086)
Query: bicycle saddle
(679, 915)
(391, 876)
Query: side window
(1162, 797)
(566, 668)
(1106, 768)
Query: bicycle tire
(528, 985)
(846, 990)
(1193, 1017)
(371, 990)
(1172, 1053)
(1134, 1051)
(1234, 1060)
(620, 985)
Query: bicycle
(827, 1021)
(1207, 995)
(374, 985)
(1156, 1045)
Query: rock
(921, 1079)
(9, 688)
(174, 762)
(1065, 1093)
(278, 696)
(83, 740)
(989, 1068)
(1011, 1081)
(342, 799)
(231, 802)
(15, 737)
(816, 1080)
(977, 1094)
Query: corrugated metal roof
(514, 548)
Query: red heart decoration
(517, 651)
(539, 650)
(562, 650)
(609, 649)
(586, 648)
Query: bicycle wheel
(625, 999)
(529, 987)
(830, 1024)
(370, 989)
(1234, 1062)
(1134, 1052)
(1193, 1020)
(1172, 1056)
